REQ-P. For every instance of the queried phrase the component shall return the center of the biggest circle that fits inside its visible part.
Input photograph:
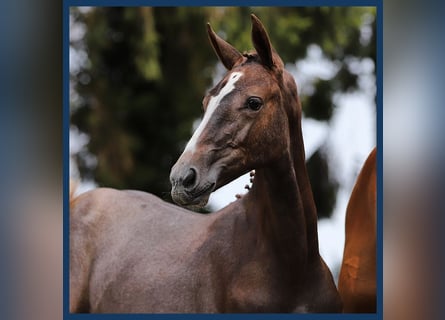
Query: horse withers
(131, 252)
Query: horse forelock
(253, 57)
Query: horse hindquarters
(80, 260)
(86, 218)
(357, 280)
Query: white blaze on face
(211, 107)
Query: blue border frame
(65, 148)
(379, 139)
(255, 3)
(379, 133)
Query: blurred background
(138, 76)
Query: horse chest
(255, 288)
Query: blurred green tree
(140, 89)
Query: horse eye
(254, 103)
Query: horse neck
(304, 188)
(282, 202)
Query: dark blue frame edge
(379, 133)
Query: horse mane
(253, 57)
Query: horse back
(125, 249)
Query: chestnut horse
(132, 252)
(357, 280)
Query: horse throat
(281, 201)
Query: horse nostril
(190, 178)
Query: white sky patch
(213, 104)
(315, 66)
(78, 143)
(315, 134)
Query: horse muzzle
(188, 189)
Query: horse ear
(225, 51)
(261, 42)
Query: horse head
(246, 121)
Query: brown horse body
(132, 252)
(357, 280)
